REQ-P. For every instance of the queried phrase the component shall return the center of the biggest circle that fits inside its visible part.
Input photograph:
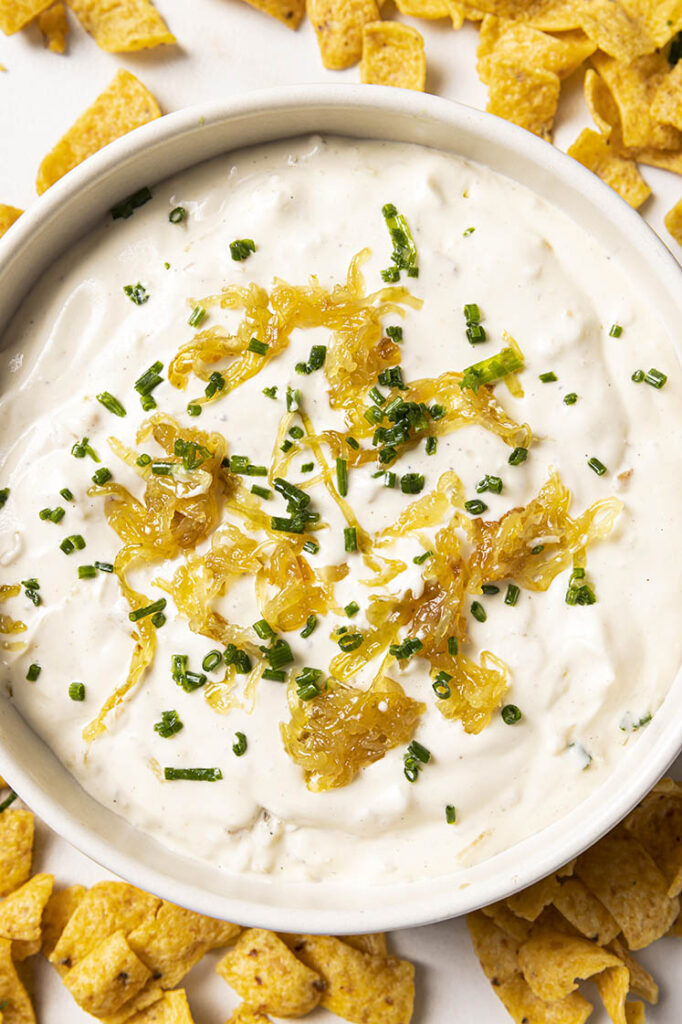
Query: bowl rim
(428, 902)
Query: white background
(226, 48)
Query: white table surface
(226, 48)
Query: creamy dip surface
(585, 678)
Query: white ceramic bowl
(170, 145)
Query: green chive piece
(193, 774)
(537, 549)
(655, 378)
(395, 334)
(579, 592)
(86, 572)
(390, 479)
(158, 620)
(194, 409)
(216, 382)
(441, 685)
(259, 347)
(490, 370)
(143, 460)
(261, 492)
(34, 671)
(137, 293)
(270, 392)
(7, 802)
(518, 456)
(571, 398)
(4, 495)
(478, 611)
(276, 675)
(436, 412)
(31, 588)
(169, 725)
(490, 589)
(352, 609)
(598, 467)
(638, 376)
(420, 559)
(77, 691)
(177, 215)
(197, 316)
(548, 378)
(66, 494)
(82, 448)
(412, 483)
(263, 629)
(404, 255)
(279, 654)
(489, 483)
(240, 744)
(286, 446)
(469, 231)
(126, 207)
(211, 661)
(342, 477)
(141, 613)
(350, 538)
(472, 313)
(431, 445)
(453, 646)
(512, 595)
(106, 399)
(307, 467)
(310, 626)
(297, 433)
(417, 750)
(104, 566)
(294, 399)
(294, 495)
(616, 331)
(311, 546)
(450, 814)
(350, 641)
(475, 507)
(511, 714)
(404, 650)
(101, 476)
(476, 334)
(242, 248)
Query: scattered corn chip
(584, 911)
(125, 104)
(613, 985)
(21, 914)
(172, 1008)
(18, 1008)
(623, 876)
(268, 977)
(433, 9)
(641, 981)
(662, 19)
(243, 1015)
(531, 901)
(553, 15)
(657, 823)
(614, 30)
(8, 215)
(667, 161)
(60, 906)
(634, 87)
(595, 153)
(106, 908)
(551, 963)
(508, 922)
(667, 103)
(393, 54)
(524, 46)
(14, 14)
(359, 987)
(525, 1007)
(16, 849)
(374, 943)
(527, 98)
(676, 927)
(601, 104)
(673, 222)
(120, 26)
(338, 25)
(55, 28)
(173, 940)
(635, 1013)
(289, 12)
(148, 996)
(107, 977)
(496, 949)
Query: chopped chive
(298, 498)
(270, 392)
(352, 609)
(297, 433)
(441, 685)
(240, 744)
(431, 445)
(7, 802)
(177, 215)
(598, 467)
(377, 397)
(350, 641)
(655, 378)
(478, 611)
(453, 646)
(390, 479)
(311, 546)
(143, 459)
(395, 334)
(169, 725)
(489, 483)
(342, 477)
(537, 549)
(158, 620)
(193, 409)
(307, 467)
(286, 446)
(518, 456)
(104, 566)
(137, 293)
(450, 814)
(31, 588)
(490, 589)
(34, 671)
(294, 399)
(310, 626)
(469, 231)
(242, 663)
(279, 654)
(262, 492)
(571, 398)
(263, 629)
(488, 371)
(86, 572)
(404, 255)
(548, 378)
(126, 207)
(475, 506)
(512, 595)
(66, 494)
(211, 661)
(163, 468)
(193, 774)
(77, 691)
(82, 448)
(197, 316)
(436, 412)
(404, 650)
(472, 313)
(242, 248)
(141, 613)
(411, 483)
(416, 749)
(4, 495)
(352, 443)
(275, 675)
(615, 331)
(259, 347)
(150, 379)
(420, 559)
(101, 476)
(511, 714)
(55, 515)
(350, 538)
(638, 376)
(476, 334)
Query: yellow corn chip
(594, 152)
(635, 1013)
(338, 25)
(268, 977)
(106, 908)
(243, 1015)
(8, 215)
(553, 15)
(3, 784)
(668, 161)
(527, 98)
(125, 104)
(145, 998)
(531, 901)
(613, 985)
(673, 222)
(657, 822)
(393, 54)
(552, 962)
(676, 927)
(14, 14)
(662, 19)
(60, 906)
(496, 949)
(527, 47)
(641, 981)
(172, 1008)
(359, 987)
(374, 943)
(107, 977)
(18, 1008)
(21, 915)
(601, 104)
(508, 922)
(614, 30)
(55, 28)
(525, 1007)
(120, 26)
(16, 849)
(634, 87)
(623, 876)
(289, 12)
(505, 8)
(433, 9)
(584, 911)
(173, 940)
(471, 12)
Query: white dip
(583, 676)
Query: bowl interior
(170, 145)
